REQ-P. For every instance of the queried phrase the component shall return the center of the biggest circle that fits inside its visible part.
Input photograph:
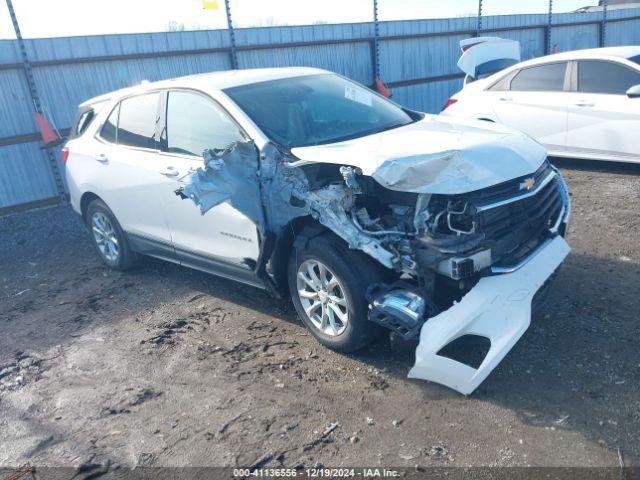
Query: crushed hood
(437, 155)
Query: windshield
(635, 59)
(316, 109)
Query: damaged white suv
(300, 181)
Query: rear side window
(542, 78)
(504, 83)
(605, 77)
(196, 123)
(137, 121)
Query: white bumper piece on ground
(498, 308)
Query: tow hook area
(497, 308)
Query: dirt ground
(164, 366)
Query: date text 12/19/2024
(316, 472)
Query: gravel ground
(164, 366)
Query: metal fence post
(547, 38)
(603, 25)
(376, 42)
(479, 20)
(232, 37)
(37, 104)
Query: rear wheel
(108, 238)
(328, 282)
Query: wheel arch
(85, 200)
(295, 234)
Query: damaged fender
(273, 192)
(262, 191)
(230, 174)
(498, 308)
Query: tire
(353, 272)
(114, 252)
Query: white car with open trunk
(579, 104)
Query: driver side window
(605, 77)
(196, 123)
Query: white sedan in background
(580, 104)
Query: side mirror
(634, 92)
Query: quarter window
(605, 77)
(542, 78)
(84, 118)
(196, 123)
(84, 121)
(138, 119)
(110, 127)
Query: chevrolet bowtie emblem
(527, 183)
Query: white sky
(59, 18)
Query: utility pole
(232, 36)
(479, 22)
(37, 105)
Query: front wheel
(328, 282)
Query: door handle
(170, 172)
(584, 104)
(102, 158)
(506, 99)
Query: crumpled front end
(497, 308)
(494, 252)
(466, 261)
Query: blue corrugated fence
(417, 59)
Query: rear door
(195, 122)
(534, 101)
(132, 180)
(603, 121)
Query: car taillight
(64, 154)
(448, 103)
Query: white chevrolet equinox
(370, 216)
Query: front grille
(512, 227)
(510, 188)
(540, 211)
(516, 228)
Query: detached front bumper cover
(497, 308)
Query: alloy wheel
(322, 297)
(105, 236)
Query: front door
(194, 123)
(603, 121)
